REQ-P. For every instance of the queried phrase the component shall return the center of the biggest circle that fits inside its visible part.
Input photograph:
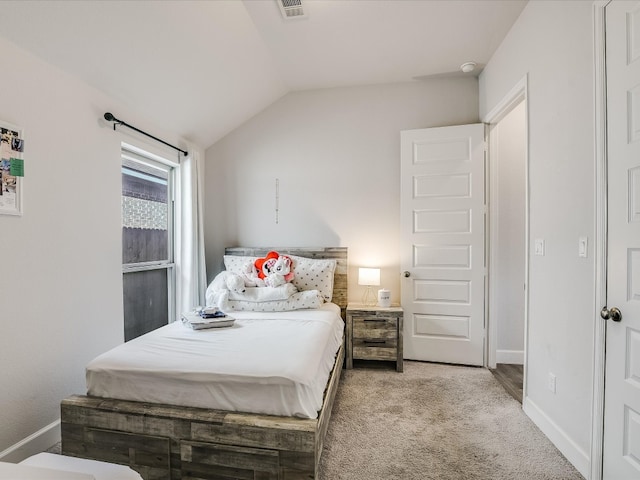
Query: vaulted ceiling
(202, 68)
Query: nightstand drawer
(375, 327)
(378, 349)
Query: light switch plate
(539, 246)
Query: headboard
(337, 253)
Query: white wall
(61, 274)
(336, 153)
(508, 207)
(552, 43)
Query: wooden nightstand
(374, 333)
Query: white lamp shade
(368, 276)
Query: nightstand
(374, 333)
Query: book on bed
(197, 321)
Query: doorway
(508, 233)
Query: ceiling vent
(291, 8)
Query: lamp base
(369, 299)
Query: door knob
(407, 274)
(611, 314)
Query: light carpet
(434, 422)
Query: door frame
(517, 95)
(600, 247)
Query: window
(147, 243)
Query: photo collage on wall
(11, 171)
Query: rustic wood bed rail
(184, 443)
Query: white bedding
(275, 363)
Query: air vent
(291, 8)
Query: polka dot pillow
(297, 301)
(237, 264)
(314, 274)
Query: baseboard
(38, 442)
(515, 357)
(572, 452)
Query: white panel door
(442, 258)
(621, 458)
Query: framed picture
(11, 169)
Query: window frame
(145, 157)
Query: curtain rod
(110, 118)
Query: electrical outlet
(539, 246)
(552, 383)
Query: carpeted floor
(434, 422)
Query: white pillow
(297, 301)
(314, 274)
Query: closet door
(621, 457)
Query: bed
(162, 439)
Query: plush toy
(250, 276)
(259, 264)
(227, 281)
(275, 269)
(218, 290)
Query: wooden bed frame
(179, 443)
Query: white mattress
(275, 363)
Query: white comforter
(272, 363)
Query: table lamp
(369, 277)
